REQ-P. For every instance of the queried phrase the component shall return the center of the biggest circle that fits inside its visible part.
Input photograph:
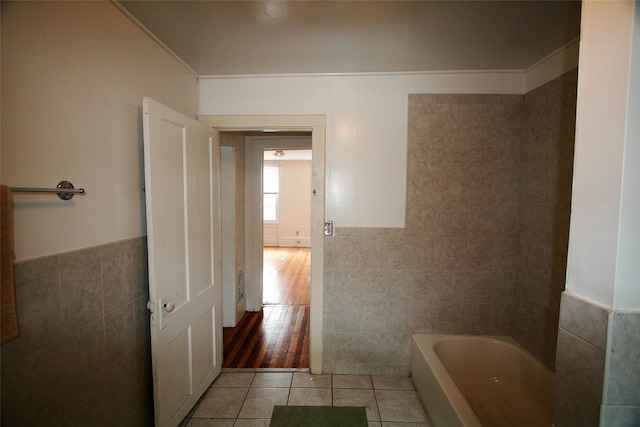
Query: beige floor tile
(259, 402)
(390, 401)
(392, 382)
(234, 379)
(355, 397)
(400, 405)
(310, 397)
(221, 403)
(304, 379)
(272, 379)
(352, 381)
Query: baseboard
(292, 242)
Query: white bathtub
(470, 381)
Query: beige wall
(73, 78)
(452, 269)
(293, 227)
(296, 203)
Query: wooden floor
(278, 336)
(286, 276)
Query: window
(270, 185)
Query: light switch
(328, 228)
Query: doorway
(253, 207)
(286, 216)
(278, 335)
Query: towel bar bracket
(64, 190)
(67, 186)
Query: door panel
(203, 333)
(183, 236)
(177, 350)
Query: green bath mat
(318, 416)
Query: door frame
(229, 262)
(316, 124)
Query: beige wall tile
(73, 363)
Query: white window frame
(277, 220)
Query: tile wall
(546, 176)
(83, 354)
(597, 369)
(621, 392)
(582, 339)
(451, 269)
(467, 261)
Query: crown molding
(553, 65)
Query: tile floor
(246, 399)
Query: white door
(182, 184)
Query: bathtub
(468, 381)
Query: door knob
(169, 307)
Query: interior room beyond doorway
(278, 336)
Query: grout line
(245, 399)
(375, 394)
(288, 396)
(332, 401)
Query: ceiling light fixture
(279, 153)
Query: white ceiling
(282, 37)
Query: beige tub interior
(480, 380)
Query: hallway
(278, 336)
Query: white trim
(152, 36)
(360, 74)
(270, 234)
(228, 233)
(292, 242)
(552, 66)
(259, 122)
